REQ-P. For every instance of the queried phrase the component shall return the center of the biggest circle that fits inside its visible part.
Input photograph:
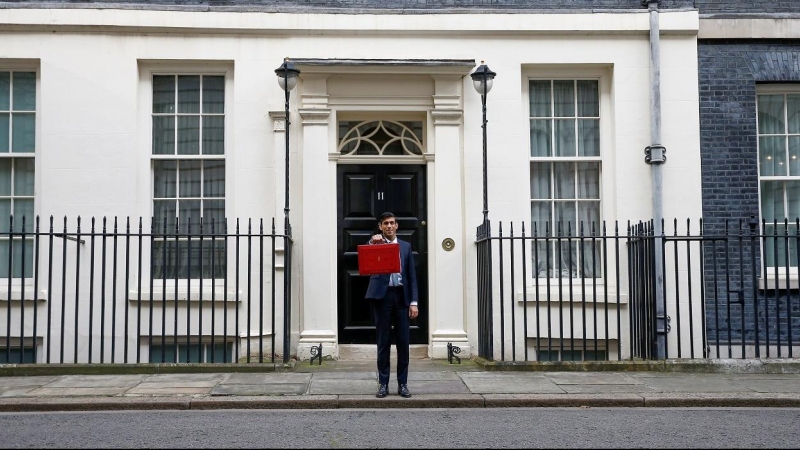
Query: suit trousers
(391, 319)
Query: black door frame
(363, 333)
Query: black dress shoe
(402, 391)
(383, 391)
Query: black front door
(364, 192)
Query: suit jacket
(379, 284)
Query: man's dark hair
(385, 216)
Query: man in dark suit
(393, 300)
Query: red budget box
(378, 259)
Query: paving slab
(16, 391)
(94, 381)
(433, 387)
(187, 377)
(341, 387)
(264, 378)
(605, 388)
(692, 384)
(511, 384)
(768, 385)
(104, 391)
(260, 389)
(172, 388)
(562, 378)
(28, 381)
(345, 376)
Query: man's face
(389, 228)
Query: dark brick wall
(728, 74)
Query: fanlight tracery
(380, 138)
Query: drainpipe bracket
(647, 2)
(655, 154)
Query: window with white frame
(17, 172)
(565, 176)
(188, 163)
(778, 112)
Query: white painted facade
(93, 129)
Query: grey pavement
(433, 384)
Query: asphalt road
(408, 428)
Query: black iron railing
(129, 291)
(589, 292)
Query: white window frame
(775, 276)
(604, 75)
(26, 283)
(187, 288)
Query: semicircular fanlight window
(380, 137)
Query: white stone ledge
(214, 22)
(744, 28)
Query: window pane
(565, 217)
(541, 216)
(589, 180)
(564, 98)
(588, 99)
(5, 91)
(564, 174)
(189, 178)
(23, 210)
(214, 178)
(194, 354)
(24, 91)
(162, 354)
(189, 213)
(23, 133)
(5, 215)
(213, 135)
(213, 95)
(770, 114)
(18, 246)
(164, 135)
(218, 352)
(540, 98)
(589, 217)
(794, 155)
(5, 127)
(164, 215)
(565, 137)
(213, 213)
(166, 257)
(189, 94)
(164, 178)
(588, 137)
(793, 113)
(214, 262)
(793, 200)
(5, 177)
(164, 94)
(540, 138)
(540, 180)
(23, 176)
(188, 135)
(772, 201)
(772, 155)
